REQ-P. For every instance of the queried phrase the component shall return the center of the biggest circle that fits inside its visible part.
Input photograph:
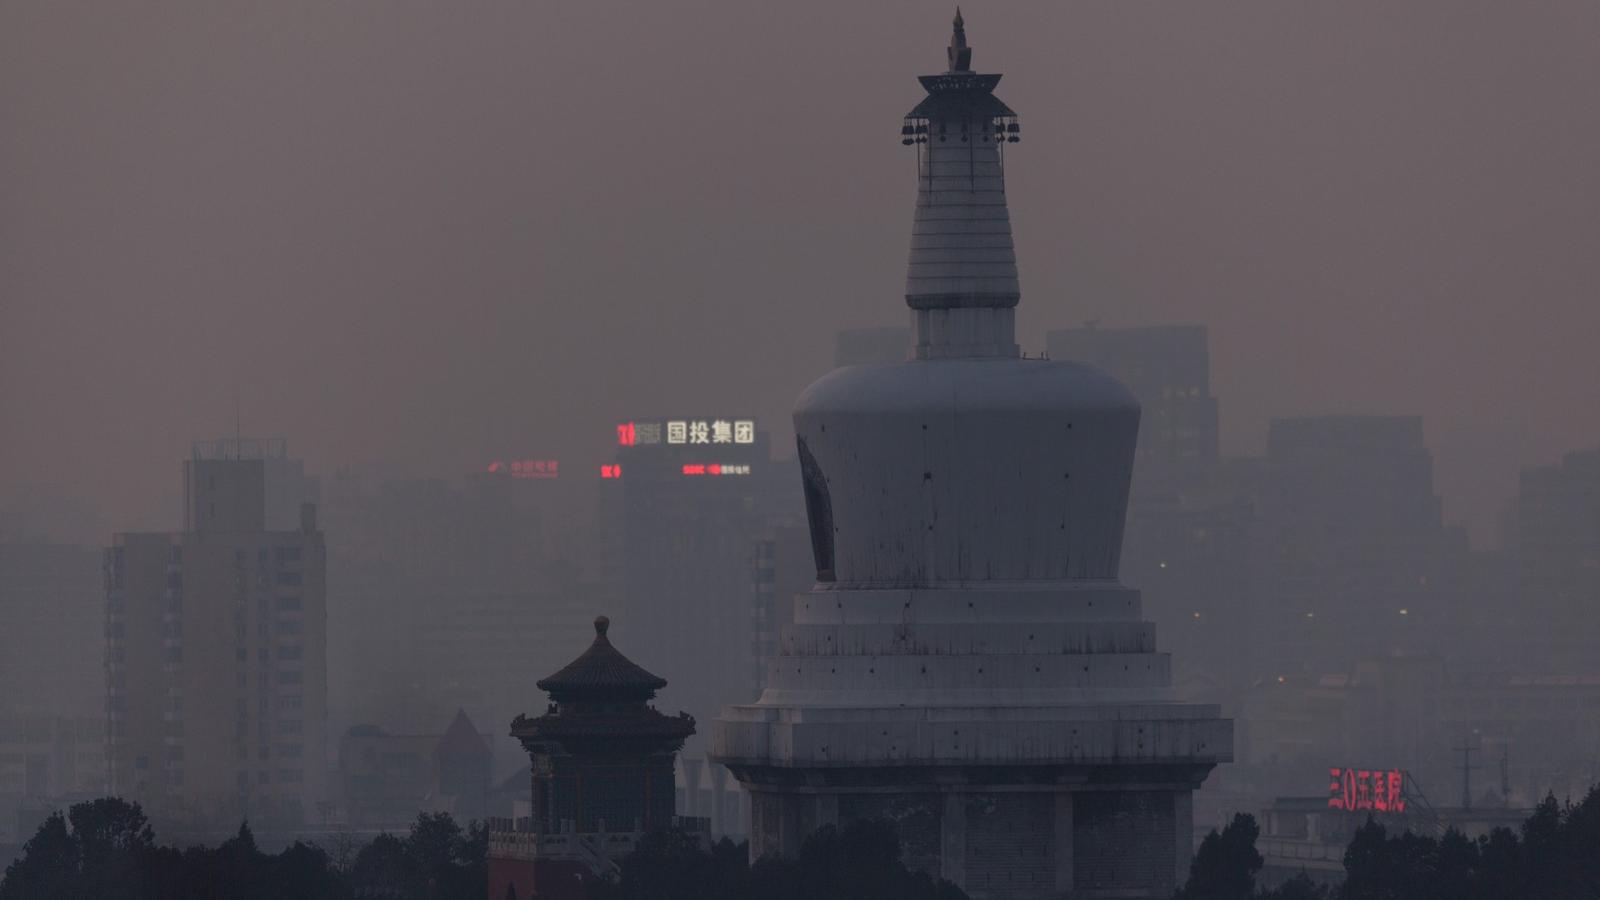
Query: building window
(288, 604)
(288, 652)
(289, 578)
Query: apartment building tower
(216, 655)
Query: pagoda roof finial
(959, 53)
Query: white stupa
(968, 666)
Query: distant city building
(1557, 549)
(1528, 734)
(1308, 835)
(286, 485)
(386, 779)
(683, 512)
(865, 346)
(52, 601)
(968, 665)
(216, 655)
(1192, 525)
(783, 568)
(1168, 367)
(602, 761)
(479, 645)
(47, 762)
(1356, 559)
(446, 597)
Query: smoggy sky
(435, 233)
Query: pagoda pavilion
(602, 771)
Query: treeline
(860, 861)
(106, 850)
(1555, 855)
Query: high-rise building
(52, 678)
(1357, 560)
(52, 602)
(216, 655)
(285, 485)
(782, 569)
(968, 665)
(684, 511)
(1191, 517)
(1557, 550)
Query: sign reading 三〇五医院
(1367, 790)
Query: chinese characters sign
(527, 468)
(1372, 790)
(715, 469)
(687, 431)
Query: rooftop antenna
(1466, 768)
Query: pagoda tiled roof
(602, 669)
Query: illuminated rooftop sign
(1370, 790)
(526, 468)
(687, 432)
(716, 469)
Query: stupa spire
(960, 54)
(961, 278)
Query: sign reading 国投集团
(687, 431)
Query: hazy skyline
(434, 235)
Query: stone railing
(600, 850)
(1307, 854)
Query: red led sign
(1371, 790)
(627, 434)
(716, 469)
(610, 471)
(527, 468)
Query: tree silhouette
(1225, 866)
